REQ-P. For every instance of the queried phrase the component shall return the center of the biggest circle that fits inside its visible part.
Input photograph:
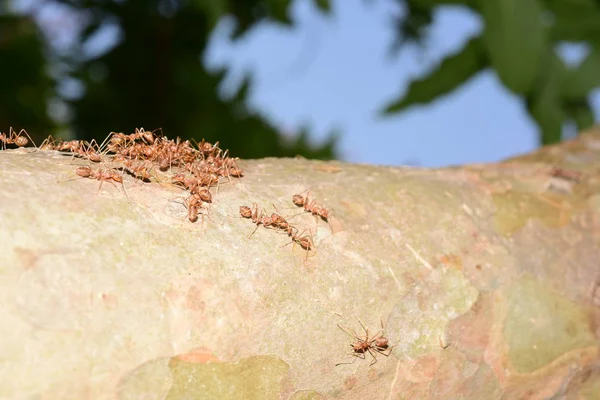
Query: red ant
(140, 170)
(278, 222)
(281, 223)
(567, 175)
(305, 241)
(258, 219)
(15, 138)
(48, 144)
(202, 193)
(375, 344)
(103, 175)
(193, 204)
(311, 206)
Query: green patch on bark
(541, 325)
(419, 320)
(514, 209)
(257, 377)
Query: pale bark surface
(113, 294)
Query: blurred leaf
(574, 20)
(412, 26)
(154, 79)
(515, 38)
(454, 70)
(278, 10)
(544, 103)
(26, 85)
(580, 81)
(214, 9)
(582, 114)
(323, 5)
(434, 3)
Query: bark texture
(484, 276)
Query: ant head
(298, 200)
(245, 212)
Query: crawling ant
(567, 175)
(103, 175)
(202, 193)
(305, 241)
(259, 218)
(276, 221)
(139, 170)
(193, 204)
(91, 153)
(248, 213)
(15, 138)
(281, 223)
(48, 144)
(375, 344)
(187, 182)
(311, 206)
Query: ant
(305, 241)
(48, 144)
(193, 204)
(281, 223)
(103, 175)
(567, 175)
(258, 219)
(374, 344)
(278, 222)
(202, 193)
(139, 169)
(15, 138)
(311, 206)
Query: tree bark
(485, 278)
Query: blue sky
(335, 72)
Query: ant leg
(356, 357)
(105, 141)
(257, 225)
(363, 326)
(372, 355)
(383, 352)
(349, 332)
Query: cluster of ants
(279, 223)
(198, 166)
(361, 346)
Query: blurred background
(392, 82)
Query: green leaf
(435, 3)
(323, 5)
(214, 9)
(580, 81)
(545, 104)
(278, 10)
(582, 114)
(515, 37)
(453, 71)
(575, 20)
